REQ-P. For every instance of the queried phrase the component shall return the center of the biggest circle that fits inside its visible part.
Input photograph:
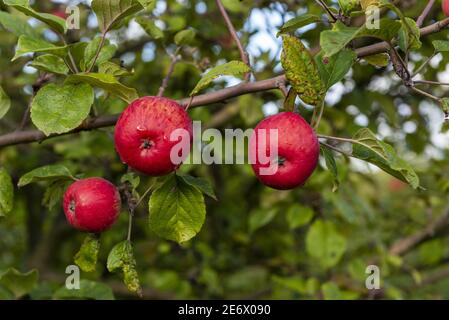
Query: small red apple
(446, 7)
(297, 151)
(59, 13)
(143, 135)
(92, 204)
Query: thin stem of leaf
(322, 4)
(423, 65)
(97, 53)
(320, 115)
(426, 94)
(437, 83)
(336, 149)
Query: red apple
(143, 135)
(446, 7)
(59, 13)
(92, 204)
(297, 151)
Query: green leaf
(260, 218)
(381, 154)
(54, 193)
(347, 6)
(106, 82)
(27, 44)
(185, 37)
(324, 243)
(19, 283)
(232, 68)
(17, 25)
(56, 23)
(445, 105)
(333, 41)
(298, 216)
(201, 184)
(107, 52)
(298, 22)
(50, 63)
(148, 4)
(111, 12)
(88, 290)
(177, 210)
(409, 35)
(6, 193)
(289, 102)
(331, 291)
(114, 69)
(441, 45)
(150, 27)
(334, 69)
(60, 109)
(121, 258)
(301, 71)
(87, 256)
(132, 178)
(47, 173)
(5, 103)
(378, 60)
(331, 165)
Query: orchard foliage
(376, 98)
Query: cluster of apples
(142, 139)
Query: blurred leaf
(88, 290)
(381, 154)
(150, 27)
(46, 173)
(324, 243)
(298, 22)
(50, 63)
(177, 210)
(331, 291)
(122, 257)
(54, 193)
(441, 45)
(260, 218)
(6, 193)
(86, 257)
(59, 109)
(331, 165)
(19, 283)
(185, 37)
(5, 103)
(111, 12)
(56, 23)
(17, 25)
(298, 216)
(347, 6)
(232, 68)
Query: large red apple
(92, 204)
(446, 7)
(143, 135)
(297, 151)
